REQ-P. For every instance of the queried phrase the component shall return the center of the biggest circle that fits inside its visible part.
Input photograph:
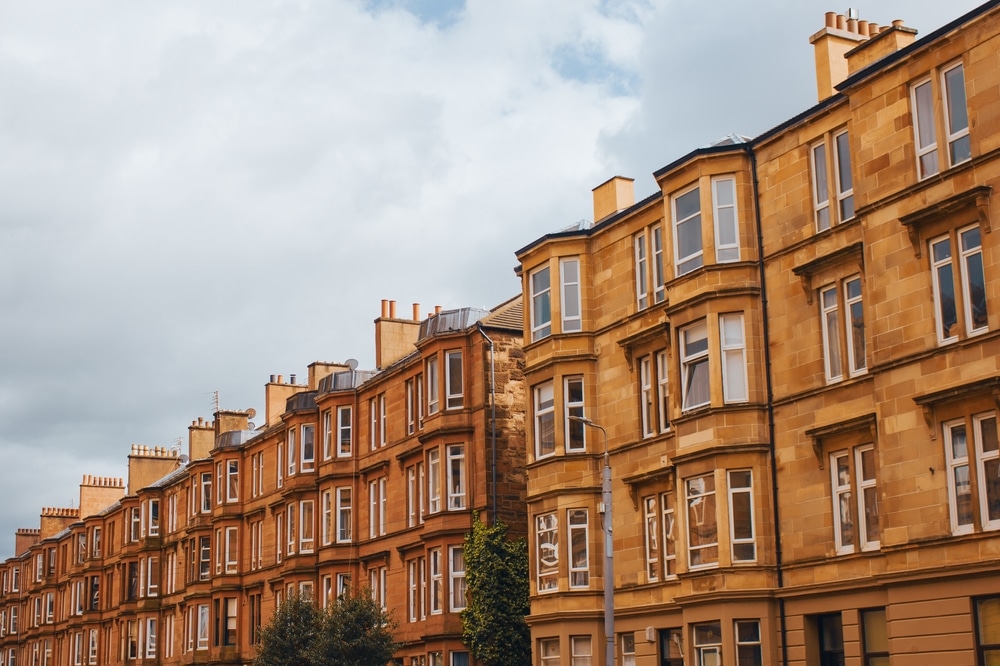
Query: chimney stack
(394, 338)
(612, 196)
(847, 44)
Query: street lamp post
(609, 549)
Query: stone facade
(792, 348)
(367, 479)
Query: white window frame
(541, 303)
(656, 258)
(575, 431)
(373, 526)
(953, 136)
(646, 396)
(292, 453)
(373, 423)
(663, 390)
(433, 481)
(454, 380)
(651, 537)
(967, 255)
(326, 520)
(456, 477)
(411, 496)
(854, 318)
(627, 642)
(960, 473)
(668, 547)
(345, 427)
(570, 304)
(150, 638)
(307, 526)
(864, 484)
(843, 178)
(383, 417)
(456, 578)
(547, 552)
(291, 515)
(437, 582)
(581, 650)
(692, 360)
(732, 343)
(725, 251)
(545, 407)
(698, 494)
(578, 525)
(307, 437)
(433, 397)
(327, 434)
(984, 457)
(232, 482)
(829, 304)
(820, 186)
(926, 147)
(748, 638)
(684, 264)
(641, 270)
(736, 491)
(411, 421)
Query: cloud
(194, 196)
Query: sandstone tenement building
(357, 478)
(789, 353)
(792, 347)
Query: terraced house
(790, 354)
(357, 479)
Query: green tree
(496, 574)
(286, 638)
(353, 631)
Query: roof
(509, 314)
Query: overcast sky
(197, 195)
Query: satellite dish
(183, 458)
(251, 412)
(352, 363)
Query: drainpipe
(770, 406)
(493, 421)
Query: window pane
(925, 115)
(687, 217)
(876, 636)
(975, 280)
(988, 615)
(958, 115)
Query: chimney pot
(281, 379)
(831, 19)
(852, 25)
(437, 309)
(841, 22)
(392, 309)
(898, 23)
(385, 307)
(291, 379)
(416, 312)
(863, 28)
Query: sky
(197, 195)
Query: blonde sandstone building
(789, 354)
(792, 351)
(357, 479)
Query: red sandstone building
(356, 479)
